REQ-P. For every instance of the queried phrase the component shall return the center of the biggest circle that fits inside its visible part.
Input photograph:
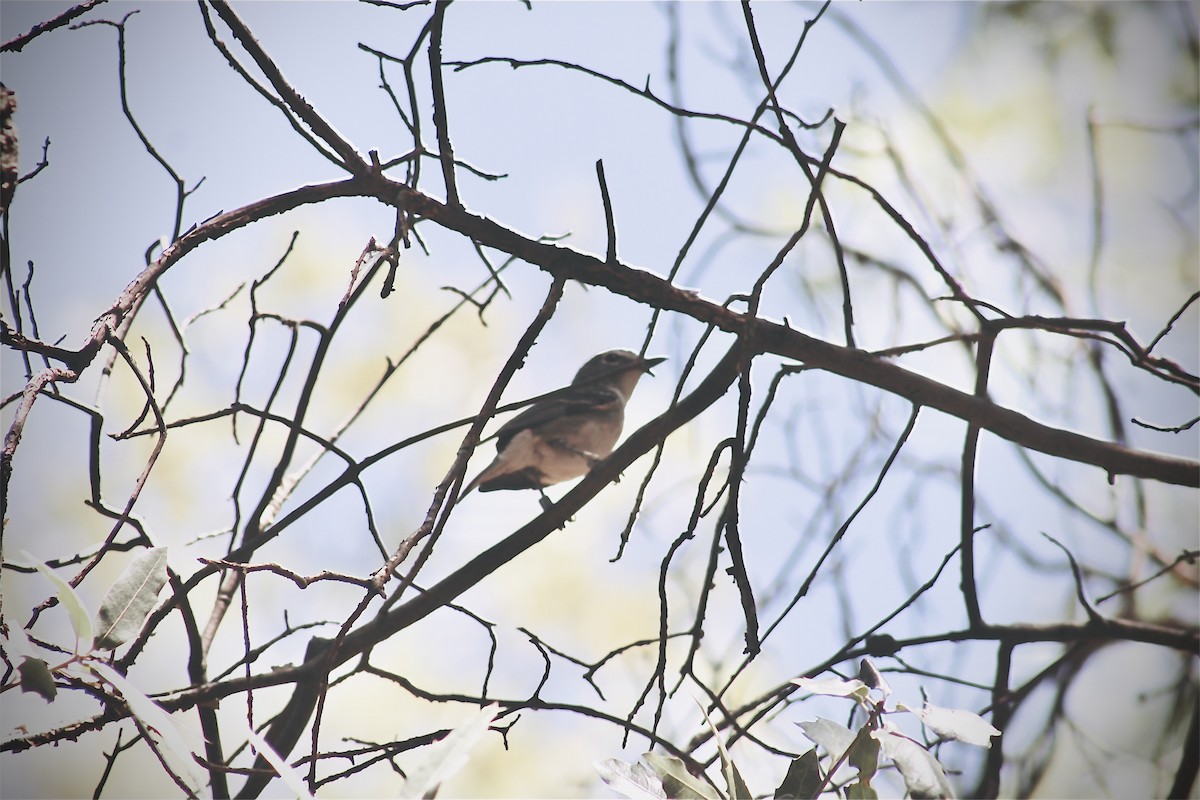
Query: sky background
(1014, 91)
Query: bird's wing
(577, 401)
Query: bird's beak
(649, 363)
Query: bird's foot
(548, 504)
(595, 461)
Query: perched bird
(564, 436)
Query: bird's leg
(548, 504)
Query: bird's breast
(564, 449)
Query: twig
(1186, 557)
(445, 149)
(15, 44)
(610, 224)
(1092, 614)
(983, 365)
(301, 581)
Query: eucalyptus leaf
(36, 677)
(449, 756)
(634, 781)
(288, 773)
(864, 756)
(76, 611)
(158, 724)
(861, 791)
(834, 737)
(677, 781)
(834, 687)
(956, 723)
(734, 784)
(803, 780)
(131, 599)
(17, 643)
(869, 674)
(923, 775)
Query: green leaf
(449, 756)
(834, 737)
(734, 785)
(870, 675)
(864, 756)
(131, 599)
(923, 775)
(861, 791)
(835, 687)
(635, 781)
(955, 723)
(677, 781)
(17, 643)
(803, 779)
(76, 611)
(734, 782)
(160, 725)
(36, 677)
(293, 779)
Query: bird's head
(621, 368)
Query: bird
(566, 434)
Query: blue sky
(1019, 118)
